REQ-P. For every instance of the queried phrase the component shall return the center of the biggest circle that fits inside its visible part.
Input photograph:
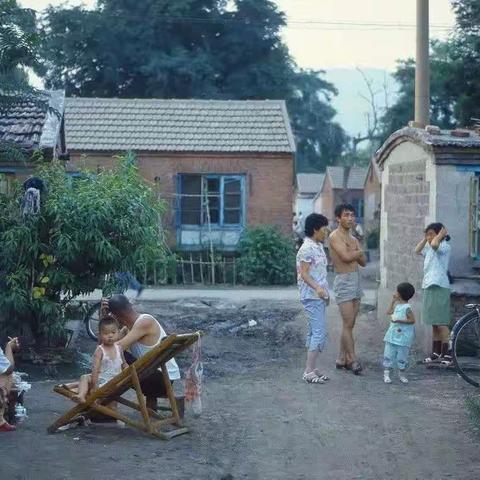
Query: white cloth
(4, 362)
(138, 349)
(435, 266)
(109, 367)
(312, 253)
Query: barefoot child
(108, 359)
(400, 334)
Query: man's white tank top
(138, 349)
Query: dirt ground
(260, 421)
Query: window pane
(232, 186)
(233, 201)
(231, 217)
(213, 185)
(190, 200)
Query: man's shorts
(347, 287)
(153, 385)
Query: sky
(324, 34)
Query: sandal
(355, 367)
(312, 377)
(340, 366)
(447, 360)
(325, 378)
(434, 357)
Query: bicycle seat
(471, 306)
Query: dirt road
(260, 421)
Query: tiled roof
(356, 178)
(337, 175)
(33, 124)
(442, 140)
(350, 178)
(309, 183)
(113, 124)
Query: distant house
(430, 177)
(372, 197)
(341, 185)
(307, 187)
(28, 127)
(221, 166)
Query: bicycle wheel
(466, 348)
(91, 320)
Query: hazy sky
(326, 34)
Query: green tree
(190, 49)
(455, 76)
(18, 51)
(87, 227)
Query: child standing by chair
(400, 334)
(108, 359)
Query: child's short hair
(107, 320)
(406, 291)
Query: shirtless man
(142, 332)
(347, 256)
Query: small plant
(267, 257)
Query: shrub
(87, 228)
(267, 257)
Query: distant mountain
(351, 107)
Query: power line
(290, 23)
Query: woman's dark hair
(406, 291)
(107, 320)
(315, 221)
(119, 303)
(436, 227)
(343, 207)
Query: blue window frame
(215, 200)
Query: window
(475, 217)
(211, 200)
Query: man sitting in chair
(142, 333)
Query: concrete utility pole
(422, 68)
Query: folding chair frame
(153, 422)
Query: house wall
(408, 193)
(304, 205)
(318, 205)
(327, 199)
(269, 179)
(372, 197)
(452, 202)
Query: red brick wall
(269, 178)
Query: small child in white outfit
(108, 359)
(400, 334)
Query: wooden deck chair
(153, 422)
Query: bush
(87, 227)
(373, 239)
(267, 257)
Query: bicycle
(92, 317)
(465, 340)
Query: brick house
(372, 197)
(429, 177)
(306, 188)
(28, 127)
(341, 185)
(220, 165)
